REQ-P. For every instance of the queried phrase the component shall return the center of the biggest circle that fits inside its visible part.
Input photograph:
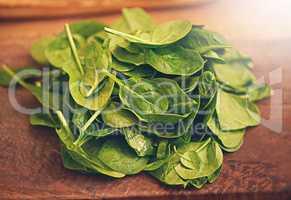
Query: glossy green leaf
(174, 60)
(206, 161)
(138, 96)
(124, 55)
(140, 143)
(163, 34)
(94, 59)
(188, 83)
(203, 41)
(138, 20)
(78, 154)
(44, 119)
(86, 28)
(118, 156)
(236, 112)
(117, 117)
(120, 66)
(149, 100)
(259, 92)
(60, 55)
(37, 50)
(234, 72)
(230, 140)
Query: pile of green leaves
(137, 96)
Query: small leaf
(140, 143)
(118, 117)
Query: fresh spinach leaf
(139, 96)
(44, 119)
(229, 140)
(235, 111)
(140, 143)
(117, 117)
(37, 50)
(118, 156)
(203, 41)
(163, 34)
(174, 60)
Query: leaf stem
(203, 145)
(89, 122)
(121, 84)
(63, 121)
(14, 76)
(73, 48)
(121, 34)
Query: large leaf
(149, 100)
(78, 154)
(234, 73)
(229, 140)
(138, 20)
(163, 34)
(119, 157)
(174, 60)
(203, 41)
(259, 91)
(236, 111)
(201, 162)
(94, 59)
(123, 55)
(37, 50)
(86, 28)
(60, 55)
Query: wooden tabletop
(30, 164)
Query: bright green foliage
(137, 96)
(37, 50)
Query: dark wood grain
(30, 164)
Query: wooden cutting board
(30, 164)
(15, 9)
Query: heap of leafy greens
(137, 96)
